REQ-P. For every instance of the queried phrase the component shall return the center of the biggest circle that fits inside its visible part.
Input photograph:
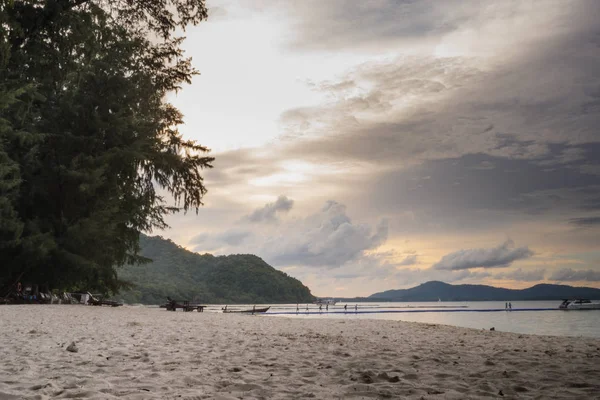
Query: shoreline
(143, 353)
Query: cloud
(571, 275)
(453, 119)
(498, 257)
(208, 242)
(216, 13)
(376, 272)
(408, 260)
(411, 277)
(585, 221)
(269, 212)
(373, 267)
(522, 275)
(236, 167)
(495, 129)
(341, 25)
(327, 239)
(443, 117)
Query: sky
(375, 145)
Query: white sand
(138, 353)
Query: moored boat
(99, 301)
(579, 304)
(253, 310)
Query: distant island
(434, 290)
(182, 274)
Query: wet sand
(141, 353)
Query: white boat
(329, 302)
(579, 304)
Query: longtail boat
(94, 301)
(253, 310)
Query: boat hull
(251, 311)
(582, 307)
(579, 304)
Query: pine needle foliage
(89, 146)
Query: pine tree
(92, 135)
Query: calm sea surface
(545, 320)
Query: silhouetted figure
(320, 307)
(345, 308)
(356, 308)
(510, 306)
(327, 307)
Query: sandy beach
(141, 353)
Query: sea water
(540, 317)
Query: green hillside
(181, 274)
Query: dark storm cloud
(571, 275)
(498, 257)
(268, 213)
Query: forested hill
(434, 290)
(182, 274)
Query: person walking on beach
(506, 306)
(320, 307)
(345, 307)
(355, 307)
(327, 307)
(510, 306)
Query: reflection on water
(547, 321)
